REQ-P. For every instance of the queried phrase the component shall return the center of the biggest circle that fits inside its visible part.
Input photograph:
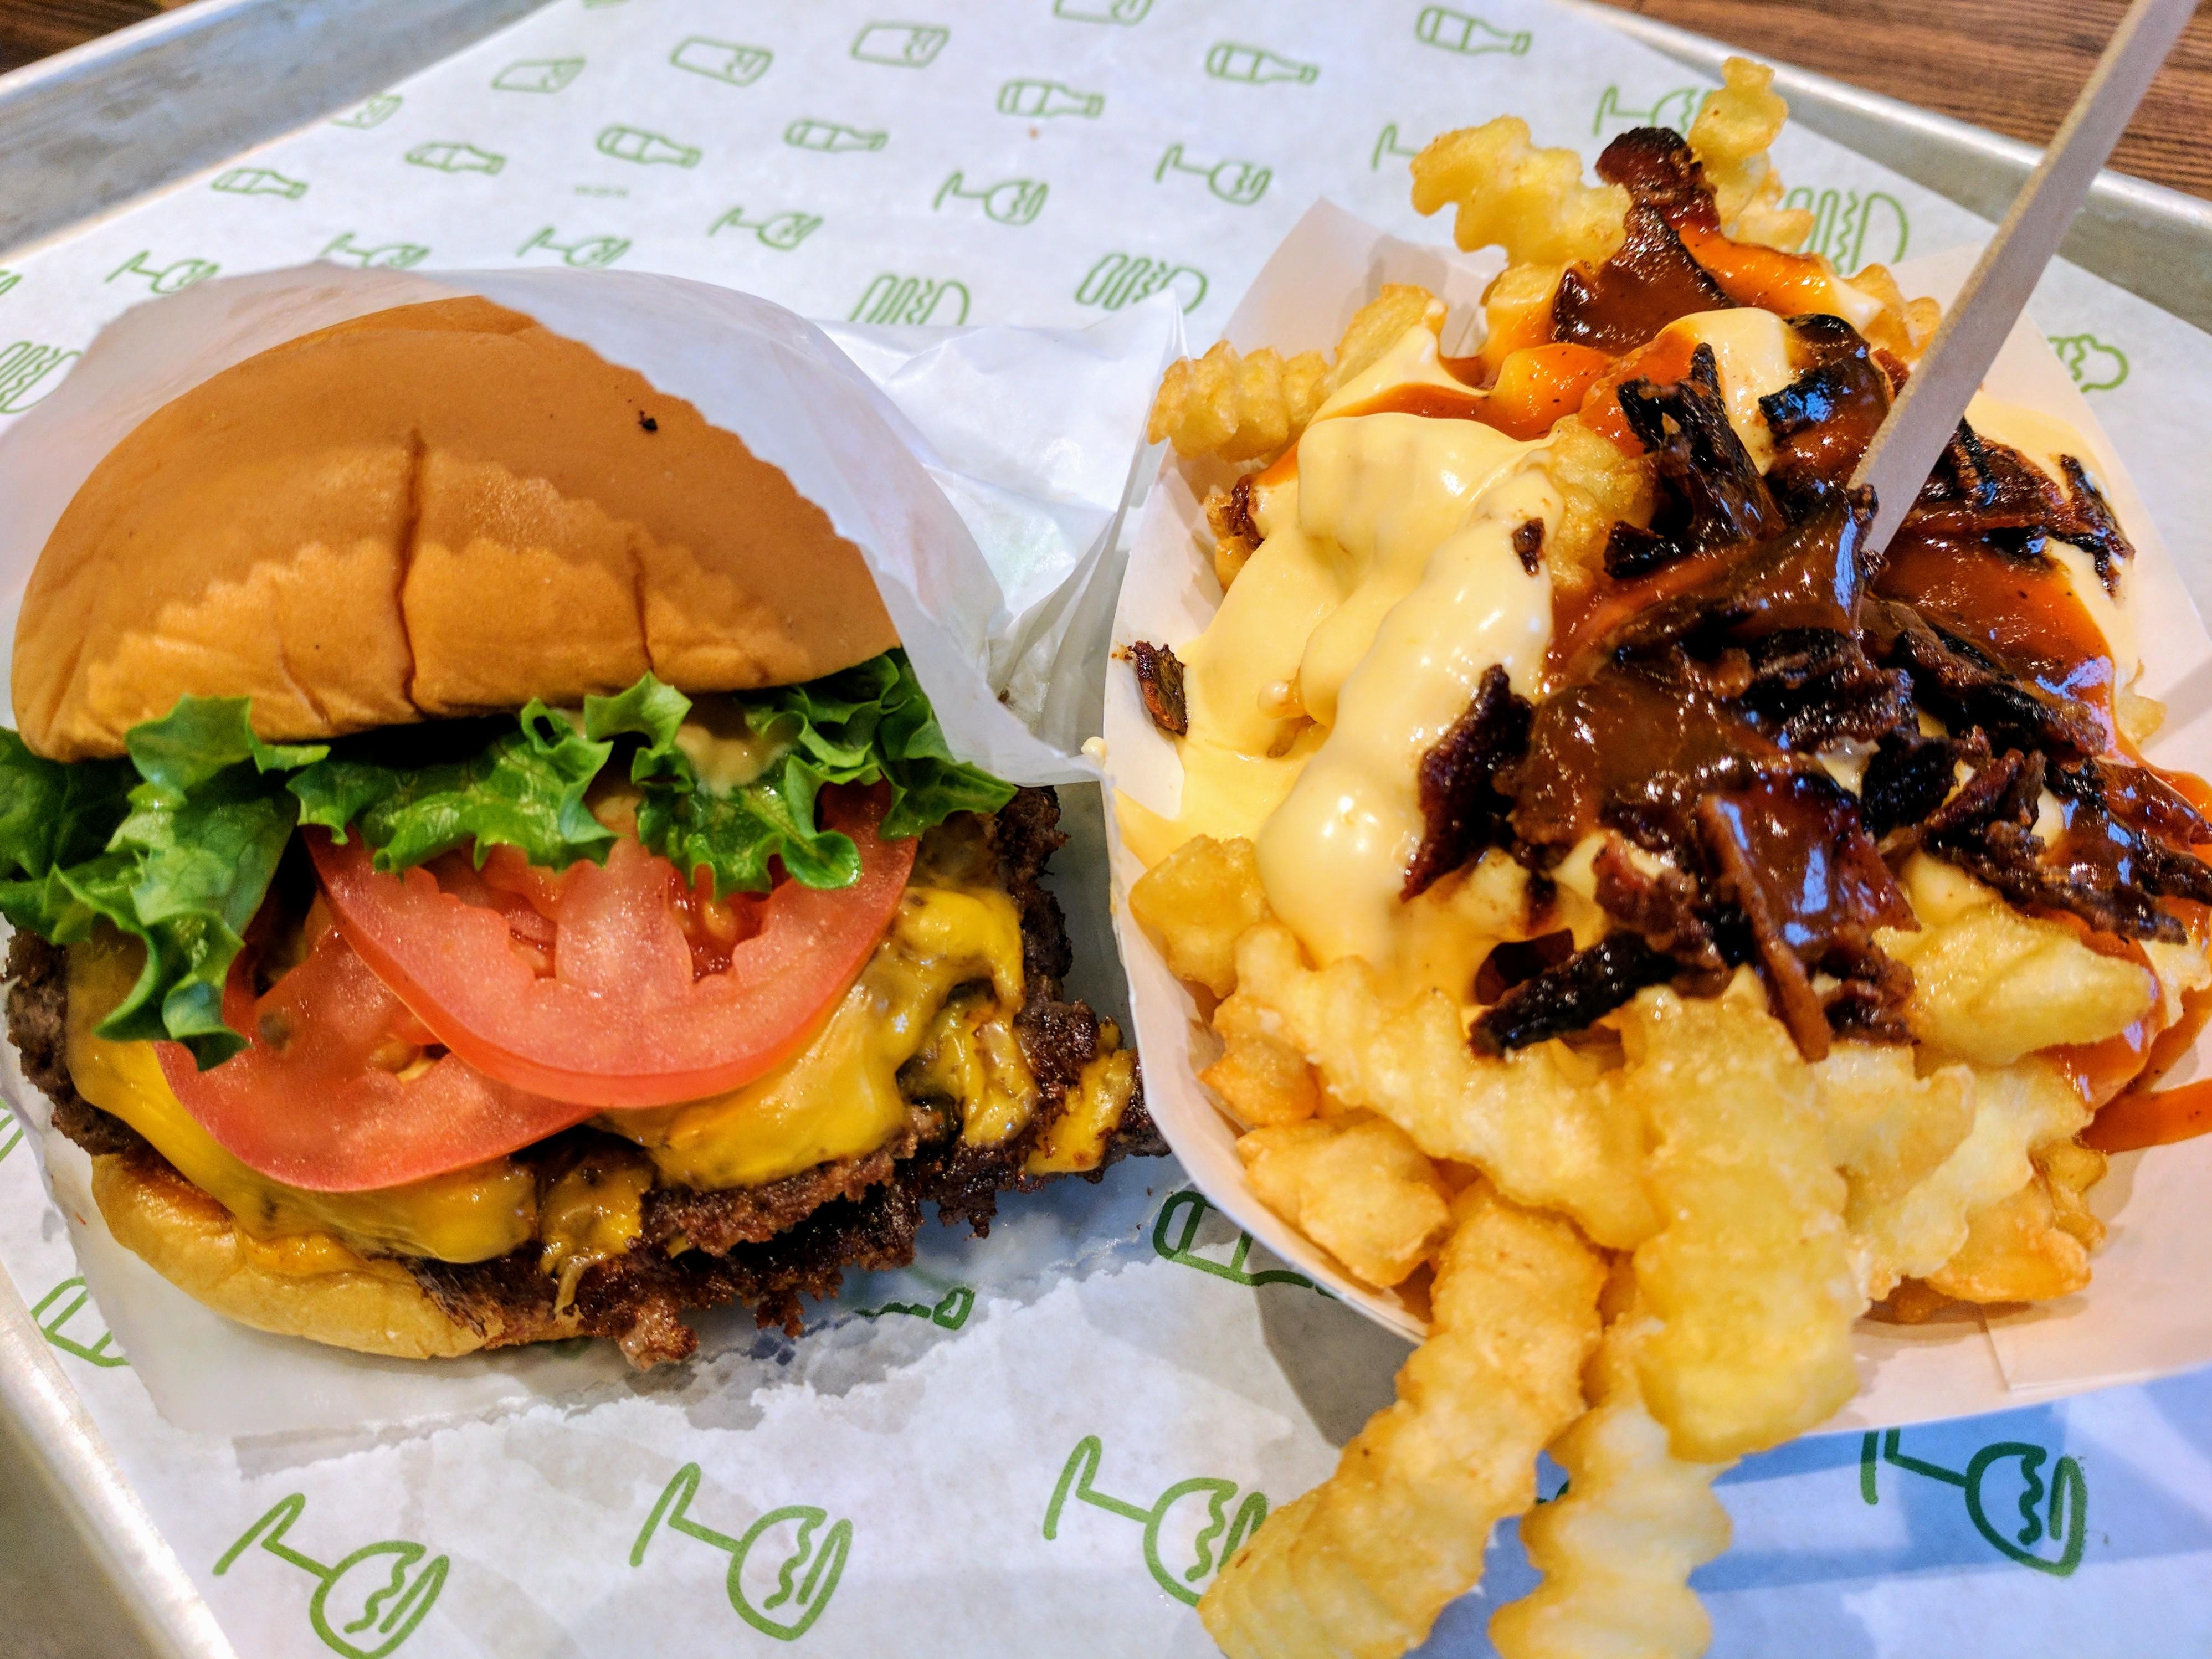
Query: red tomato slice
(624, 1017)
(308, 1103)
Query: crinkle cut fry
(1618, 1546)
(1238, 408)
(1546, 1138)
(1360, 1567)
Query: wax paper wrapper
(2140, 1319)
(992, 543)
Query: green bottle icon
(260, 181)
(1676, 109)
(1010, 202)
(538, 75)
(1386, 147)
(57, 1307)
(890, 298)
(27, 372)
(724, 60)
(1036, 98)
(1241, 182)
(587, 253)
(1125, 12)
(832, 138)
(1256, 65)
(166, 279)
(372, 112)
(448, 157)
(391, 256)
(781, 231)
(1216, 1539)
(381, 1590)
(1850, 229)
(2094, 365)
(635, 144)
(2042, 1524)
(1455, 31)
(1120, 279)
(789, 1585)
(907, 45)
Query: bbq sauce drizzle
(1747, 629)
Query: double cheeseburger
(484, 871)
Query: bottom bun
(308, 1285)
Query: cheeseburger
(483, 870)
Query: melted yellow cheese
(840, 1096)
(593, 1213)
(469, 1215)
(1751, 350)
(1075, 1141)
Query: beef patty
(764, 1248)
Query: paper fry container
(988, 517)
(2143, 1316)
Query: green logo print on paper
(451, 156)
(1120, 279)
(636, 144)
(949, 1313)
(1009, 202)
(538, 75)
(1387, 147)
(165, 279)
(1125, 12)
(1256, 65)
(1048, 98)
(1676, 109)
(722, 60)
(832, 138)
(8, 279)
(586, 253)
(907, 45)
(1455, 31)
(781, 1574)
(1851, 228)
(28, 371)
(781, 231)
(260, 181)
(894, 299)
(1241, 182)
(1220, 1532)
(2094, 365)
(11, 1134)
(1174, 1238)
(2040, 1523)
(388, 256)
(53, 1314)
(370, 112)
(376, 1596)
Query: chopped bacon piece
(1461, 810)
(1159, 680)
(1588, 986)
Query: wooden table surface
(2014, 65)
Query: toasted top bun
(438, 509)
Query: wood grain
(32, 29)
(2011, 66)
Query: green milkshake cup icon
(371, 113)
(260, 181)
(1256, 65)
(781, 231)
(1676, 109)
(722, 60)
(587, 253)
(783, 1569)
(367, 1604)
(538, 75)
(1455, 31)
(2042, 1522)
(1386, 147)
(1048, 98)
(391, 256)
(832, 138)
(1125, 12)
(1241, 182)
(455, 157)
(1010, 202)
(165, 279)
(2095, 366)
(635, 144)
(907, 46)
(1180, 1566)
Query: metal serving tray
(92, 130)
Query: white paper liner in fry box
(2144, 1315)
(984, 480)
